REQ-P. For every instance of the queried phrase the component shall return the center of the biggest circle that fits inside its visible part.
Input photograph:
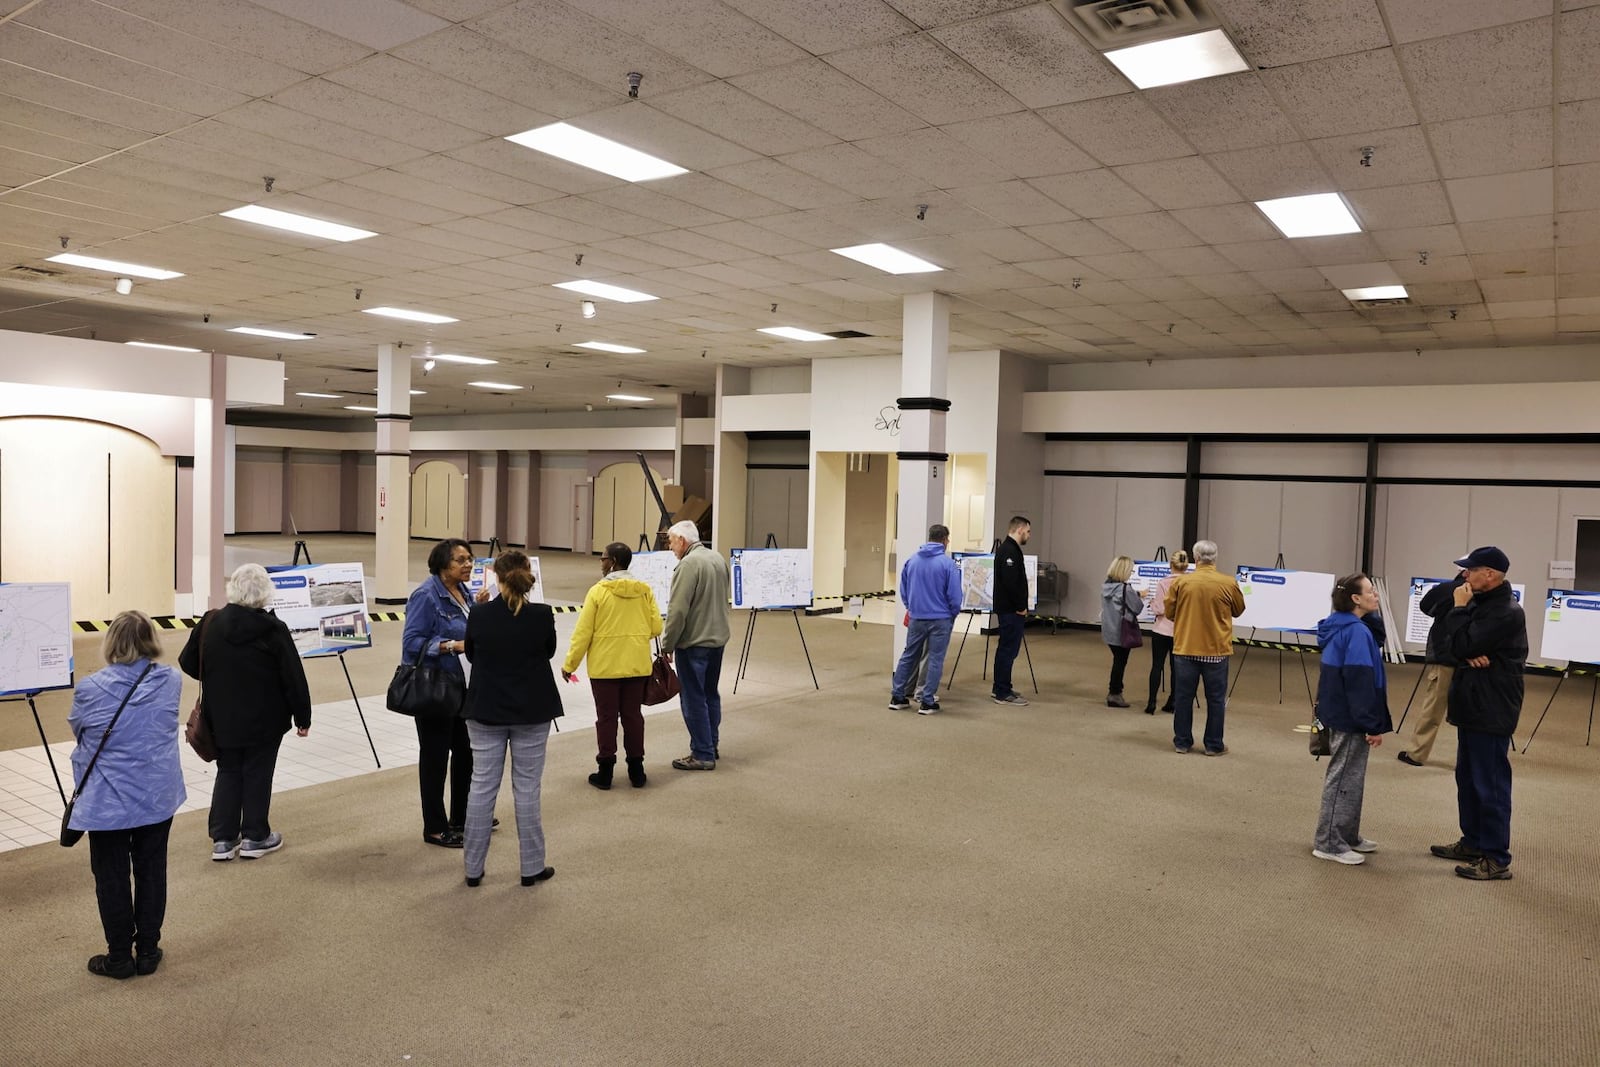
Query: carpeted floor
(993, 885)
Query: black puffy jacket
(1486, 699)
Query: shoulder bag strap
(107, 735)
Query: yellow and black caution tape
(180, 622)
(846, 597)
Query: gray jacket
(1118, 601)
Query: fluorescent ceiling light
(1377, 292)
(358, 407)
(590, 150)
(606, 292)
(887, 258)
(795, 333)
(1179, 59)
(256, 331)
(419, 392)
(323, 396)
(1317, 215)
(286, 220)
(476, 361)
(494, 385)
(625, 396)
(112, 266)
(410, 316)
(603, 346)
(168, 348)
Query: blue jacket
(930, 584)
(433, 615)
(1352, 694)
(138, 780)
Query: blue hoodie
(1352, 692)
(930, 584)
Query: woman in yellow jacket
(618, 619)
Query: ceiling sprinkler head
(634, 78)
(124, 286)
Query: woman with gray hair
(252, 687)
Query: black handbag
(426, 690)
(1321, 736)
(69, 835)
(1131, 637)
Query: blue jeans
(1005, 651)
(1187, 676)
(699, 668)
(1483, 792)
(935, 635)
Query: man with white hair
(696, 632)
(1202, 606)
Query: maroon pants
(618, 698)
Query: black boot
(601, 779)
(636, 776)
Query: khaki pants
(1431, 704)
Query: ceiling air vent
(1112, 24)
(846, 335)
(32, 274)
(356, 370)
(1387, 302)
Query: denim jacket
(433, 615)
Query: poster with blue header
(324, 605)
(1290, 601)
(483, 578)
(1419, 622)
(1147, 574)
(1571, 626)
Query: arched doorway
(438, 500)
(624, 509)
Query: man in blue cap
(1486, 634)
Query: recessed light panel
(603, 346)
(629, 398)
(1317, 215)
(474, 361)
(606, 292)
(887, 259)
(409, 316)
(1179, 59)
(282, 335)
(565, 141)
(167, 348)
(494, 385)
(287, 220)
(323, 396)
(113, 266)
(795, 333)
(358, 407)
(1377, 292)
(419, 392)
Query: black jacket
(1010, 578)
(254, 684)
(1436, 603)
(512, 683)
(1487, 699)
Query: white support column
(924, 464)
(391, 583)
(211, 458)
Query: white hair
(686, 531)
(249, 586)
(1205, 551)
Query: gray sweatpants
(489, 745)
(1339, 823)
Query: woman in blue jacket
(1352, 702)
(128, 802)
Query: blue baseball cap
(1487, 556)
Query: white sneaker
(1350, 858)
(1365, 845)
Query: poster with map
(655, 570)
(483, 577)
(771, 577)
(323, 604)
(977, 580)
(35, 637)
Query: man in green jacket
(696, 631)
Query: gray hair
(130, 638)
(1205, 551)
(686, 531)
(249, 586)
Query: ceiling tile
(1148, 231)
(1122, 266)
(1578, 131)
(1227, 223)
(1528, 262)
(1578, 45)
(1007, 245)
(326, 100)
(849, 168)
(253, 29)
(1438, 241)
(737, 116)
(1272, 171)
(1223, 113)
(1401, 206)
(784, 184)
(589, 47)
(1416, 20)
(546, 90)
(1262, 255)
(1031, 53)
(937, 158)
(1201, 259)
(1502, 196)
(378, 24)
(1273, 34)
(1576, 228)
(1506, 290)
(1118, 130)
(646, 202)
(1399, 157)
(1013, 203)
(643, 127)
(1346, 94)
(410, 86)
(478, 180)
(738, 44)
(813, 91)
(295, 127)
(84, 100)
(930, 13)
(1093, 193)
(1075, 238)
(1227, 285)
(1179, 183)
(824, 26)
(1493, 144)
(514, 160)
(1507, 235)
(1497, 69)
(1577, 187)
(925, 79)
(1347, 248)
(1022, 143)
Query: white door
(582, 495)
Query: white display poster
(1284, 600)
(655, 570)
(1417, 622)
(1571, 626)
(977, 580)
(323, 604)
(483, 578)
(1146, 575)
(771, 577)
(35, 636)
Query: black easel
(340, 653)
(772, 541)
(47, 754)
(1593, 670)
(300, 547)
(1413, 697)
(495, 547)
(1025, 652)
(749, 639)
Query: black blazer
(512, 683)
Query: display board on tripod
(1418, 622)
(765, 578)
(655, 569)
(483, 577)
(35, 636)
(1147, 574)
(324, 605)
(1276, 599)
(977, 580)
(1571, 626)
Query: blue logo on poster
(288, 581)
(1268, 579)
(1584, 605)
